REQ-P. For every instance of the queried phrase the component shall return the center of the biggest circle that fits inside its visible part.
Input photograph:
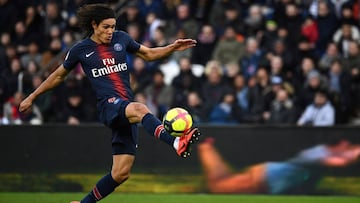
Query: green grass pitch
(171, 198)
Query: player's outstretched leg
(181, 144)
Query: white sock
(176, 143)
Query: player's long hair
(93, 12)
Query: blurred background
(277, 76)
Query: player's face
(104, 30)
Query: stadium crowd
(256, 61)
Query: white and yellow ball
(176, 121)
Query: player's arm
(151, 54)
(52, 81)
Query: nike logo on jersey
(89, 54)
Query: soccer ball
(176, 121)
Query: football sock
(105, 186)
(155, 127)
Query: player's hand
(26, 105)
(182, 44)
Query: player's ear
(94, 25)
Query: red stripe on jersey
(114, 77)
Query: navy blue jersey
(105, 64)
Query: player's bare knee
(141, 108)
(120, 175)
(137, 110)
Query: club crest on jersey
(113, 100)
(118, 47)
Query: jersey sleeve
(71, 58)
(132, 45)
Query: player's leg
(124, 142)
(137, 112)
(120, 172)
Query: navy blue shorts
(124, 134)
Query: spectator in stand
(242, 96)
(233, 19)
(11, 77)
(44, 101)
(32, 54)
(309, 29)
(256, 96)
(74, 112)
(29, 71)
(199, 9)
(213, 88)
(230, 71)
(159, 38)
(142, 98)
(141, 74)
(5, 41)
(355, 95)
(50, 54)
(184, 83)
(13, 116)
(277, 66)
(134, 31)
(331, 54)
(195, 107)
(183, 21)
(252, 59)
(53, 16)
(21, 39)
(254, 22)
(206, 42)
(130, 15)
(305, 49)
(160, 93)
(270, 93)
(225, 112)
(319, 113)
(292, 22)
(344, 35)
(338, 6)
(269, 35)
(34, 24)
(327, 24)
(153, 22)
(314, 83)
(307, 65)
(339, 83)
(282, 110)
(8, 16)
(347, 15)
(228, 49)
(279, 49)
(352, 61)
(147, 6)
